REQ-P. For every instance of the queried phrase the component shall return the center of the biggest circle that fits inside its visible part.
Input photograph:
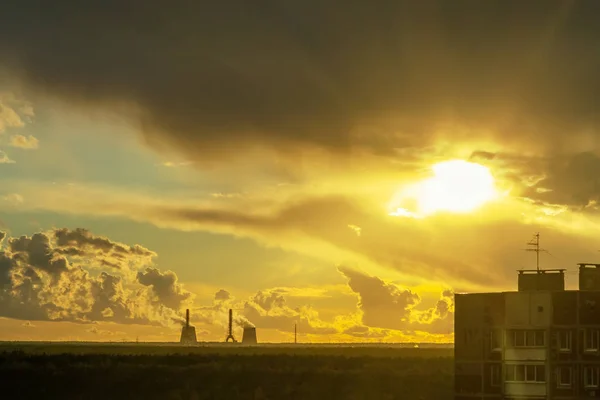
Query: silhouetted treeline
(218, 376)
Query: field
(167, 371)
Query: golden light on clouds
(457, 186)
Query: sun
(457, 186)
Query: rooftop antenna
(535, 246)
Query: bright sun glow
(457, 186)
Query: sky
(344, 166)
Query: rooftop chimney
(543, 279)
(589, 276)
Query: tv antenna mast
(535, 246)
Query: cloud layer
(222, 78)
(475, 251)
(383, 312)
(15, 113)
(61, 275)
(388, 306)
(512, 83)
(359, 94)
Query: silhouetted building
(540, 342)
(249, 336)
(188, 333)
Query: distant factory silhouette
(230, 336)
(188, 332)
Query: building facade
(540, 342)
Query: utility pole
(535, 246)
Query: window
(530, 373)
(496, 374)
(590, 377)
(519, 338)
(526, 373)
(564, 377)
(540, 372)
(527, 338)
(534, 338)
(520, 373)
(591, 339)
(496, 340)
(515, 373)
(564, 340)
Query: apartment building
(539, 342)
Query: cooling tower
(249, 336)
(188, 333)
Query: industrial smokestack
(230, 329)
(188, 333)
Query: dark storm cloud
(165, 286)
(42, 277)
(83, 238)
(269, 299)
(79, 242)
(572, 180)
(222, 295)
(339, 74)
(38, 252)
(565, 179)
(385, 305)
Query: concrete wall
(589, 308)
(517, 309)
(522, 389)
(550, 281)
(468, 378)
(469, 310)
(525, 354)
(540, 309)
(589, 278)
(528, 309)
(563, 304)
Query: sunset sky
(343, 165)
